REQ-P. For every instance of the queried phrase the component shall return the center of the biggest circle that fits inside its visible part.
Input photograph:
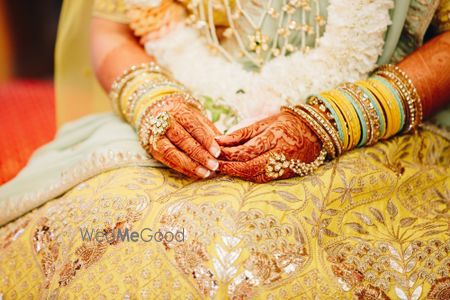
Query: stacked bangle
(121, 82)
(322, 104)
(370, 115)
(354, 115)
(407, 89)
(314, 126)
(141, 88)
(351, 118)
(376, 113)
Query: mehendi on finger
(291, 137)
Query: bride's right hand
(188, 144)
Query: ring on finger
(153, 128)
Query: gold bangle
(369, 110)
(411, 90)
(332, 132)
(315, 127)
(121, 81)
(341, 119)
(351, 116)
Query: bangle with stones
(386, 97)
(143, 89)
(277, 165)
(136, 83)
(408, 105)
(413, 103)
(350, 115)
(371, 115)
(329, 128)
(321, 103)
(121, 81)
(378, 117)
(410, 91)
(361, 114)
(315, 127)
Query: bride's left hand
(246, 151)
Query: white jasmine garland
(352, 42)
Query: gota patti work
(372, 224)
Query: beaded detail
(273, 28)
(278, 164)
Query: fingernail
(215, 151)
(202, 172)
(219, 137)
(212, 164)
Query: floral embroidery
(290, 238)
(189, 255)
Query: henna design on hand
(241, 136)
(285, 133)
(169, 155)
(188, 145)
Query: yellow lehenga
(372, 224)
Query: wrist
(354, 115)
(140, 87)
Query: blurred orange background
(27, 110)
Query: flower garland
(348, 51)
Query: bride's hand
(188, 144)
(246, 151)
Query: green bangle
(362, 119)
(377, 107)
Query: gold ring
(158, 126)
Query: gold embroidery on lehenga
(91, 252)
(389, 250)
(14, 233)
(291, 238)
(276, 249)
(47, 248)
